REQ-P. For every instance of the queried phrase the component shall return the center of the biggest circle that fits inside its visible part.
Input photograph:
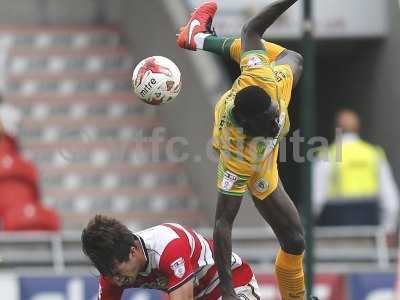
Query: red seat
(20, 207)
(31, 216)
(18, 182)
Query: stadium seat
(59, 37)
(31, 216)
(18, 183)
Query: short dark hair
(105, 240)
(251, 101)
(254, 112)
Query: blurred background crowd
(75, 141)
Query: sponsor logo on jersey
(228, 180)
(178, 266)
(254, 62)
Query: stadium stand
(92, 140)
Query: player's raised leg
(199, 23)
(203, 37)
(198, 28)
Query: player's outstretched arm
(253, 30)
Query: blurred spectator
(359, 179)
(20, 207)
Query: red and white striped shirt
(175, 255)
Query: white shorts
(250, 291)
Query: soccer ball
(156, 80)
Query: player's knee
(294, 243)
(299, 243)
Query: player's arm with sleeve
(176, 264)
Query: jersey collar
(144, 249)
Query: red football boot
(200, 21)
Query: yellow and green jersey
(241, 155)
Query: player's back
(167, 238)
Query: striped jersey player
(167, 257)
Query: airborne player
(250, 120)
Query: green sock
(218, 45)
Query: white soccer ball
(156, 80)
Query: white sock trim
(199, 39)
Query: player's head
(113, 249)
(348, 120)
(255, 112)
